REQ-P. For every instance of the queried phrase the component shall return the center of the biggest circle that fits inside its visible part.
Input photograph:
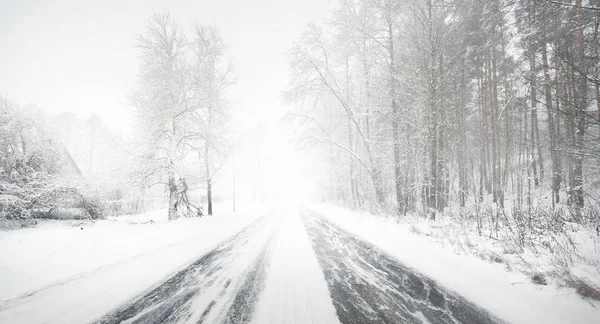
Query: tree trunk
(556, 165)
(496, 180)
(534, 119)
(580, 112)
(209, 196)
(209, 210)
(482, 134)
(378, 184)
(351, 173)
(395, 116)
(172, 198)
(570, 102)
(433, 126)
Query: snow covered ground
(87, 270)
(508, 295)
(290, 266)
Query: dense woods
(488, 110)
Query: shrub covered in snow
(34, 181)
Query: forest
(487, 111)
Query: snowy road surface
(368, 286)
(289, 266)
(221, 287)
(229, 285)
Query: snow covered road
(270, 273)
(221, 287)
(368, 286)
(290, 266)
(295, 289)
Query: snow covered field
(509, 295)
(85, 271)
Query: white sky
(80, 56)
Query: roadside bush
(34, 179)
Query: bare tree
(180, 106)
(212, 75)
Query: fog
(305, 161)
(81, 57)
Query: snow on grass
(569, 255)
(587, 264)
(509, 295)
(65, 274)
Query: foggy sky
(80, 56)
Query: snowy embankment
(62, 273)
(509, 295)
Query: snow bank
(510, 296)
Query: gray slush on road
(368, 286)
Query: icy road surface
(221, 287)
(290, 269)
(368, 286)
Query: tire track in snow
(246, 299)
(295, 288)
(368, 286)
(220, 287)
